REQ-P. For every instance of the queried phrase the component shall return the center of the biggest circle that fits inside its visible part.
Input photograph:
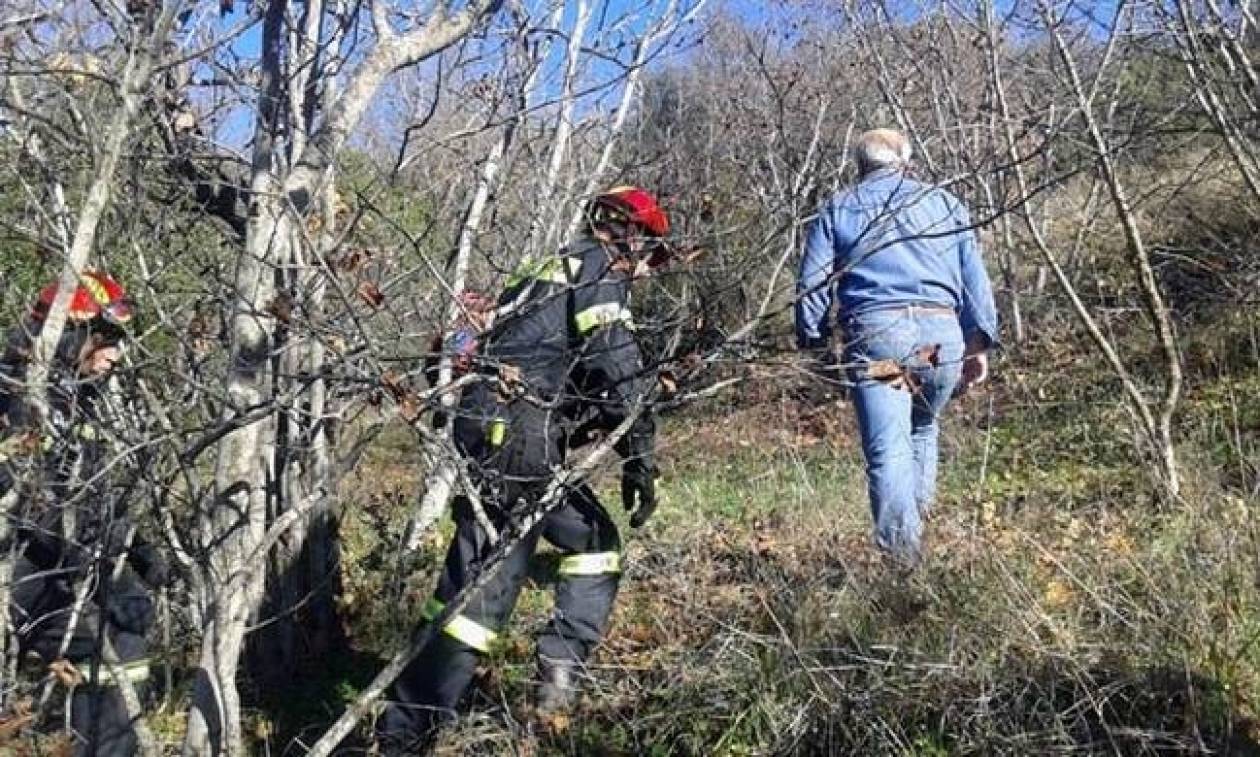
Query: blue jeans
(899, 425)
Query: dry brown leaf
(281, 307)
(399, 389)
(640, 633)
(370, 293)
(893, 374)
(669, 384)
(354, 260)
(394, 382)
(14, 723)
(556, 723)
(883, 370)
(410, 408)
(27, 443)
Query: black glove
(638, 490)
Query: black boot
(558, 685)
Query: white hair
(881, 148)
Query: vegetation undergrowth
(1063, 608)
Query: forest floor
(1063, 607)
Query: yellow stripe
(497, 431)
(461, 628)
(431, 608)
(551, 269)
(603, 315)
(592, 564)
(471, 633)
(95, 288)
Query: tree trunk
(232, 529)
(234, 533)
(300, 619)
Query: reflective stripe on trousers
(462, 628)
(591, 564)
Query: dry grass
(1061, 611)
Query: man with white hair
(917, 312)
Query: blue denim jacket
(892, 241)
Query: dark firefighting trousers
(42, 604)
(513, 448)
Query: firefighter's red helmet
(632, 205)
(98, 295)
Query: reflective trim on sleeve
(592, 564)
(550, 269)
(432, 608)
(602, 315)
(461, 628)
(497, 432)
(137, 671)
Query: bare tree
(282, 190)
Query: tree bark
(234, 525)
(234, 531)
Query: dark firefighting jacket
(563, 346)
(72, 508)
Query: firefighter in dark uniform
(74, 537)
(563, 334)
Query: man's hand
(638, 490)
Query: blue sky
(235, 128)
